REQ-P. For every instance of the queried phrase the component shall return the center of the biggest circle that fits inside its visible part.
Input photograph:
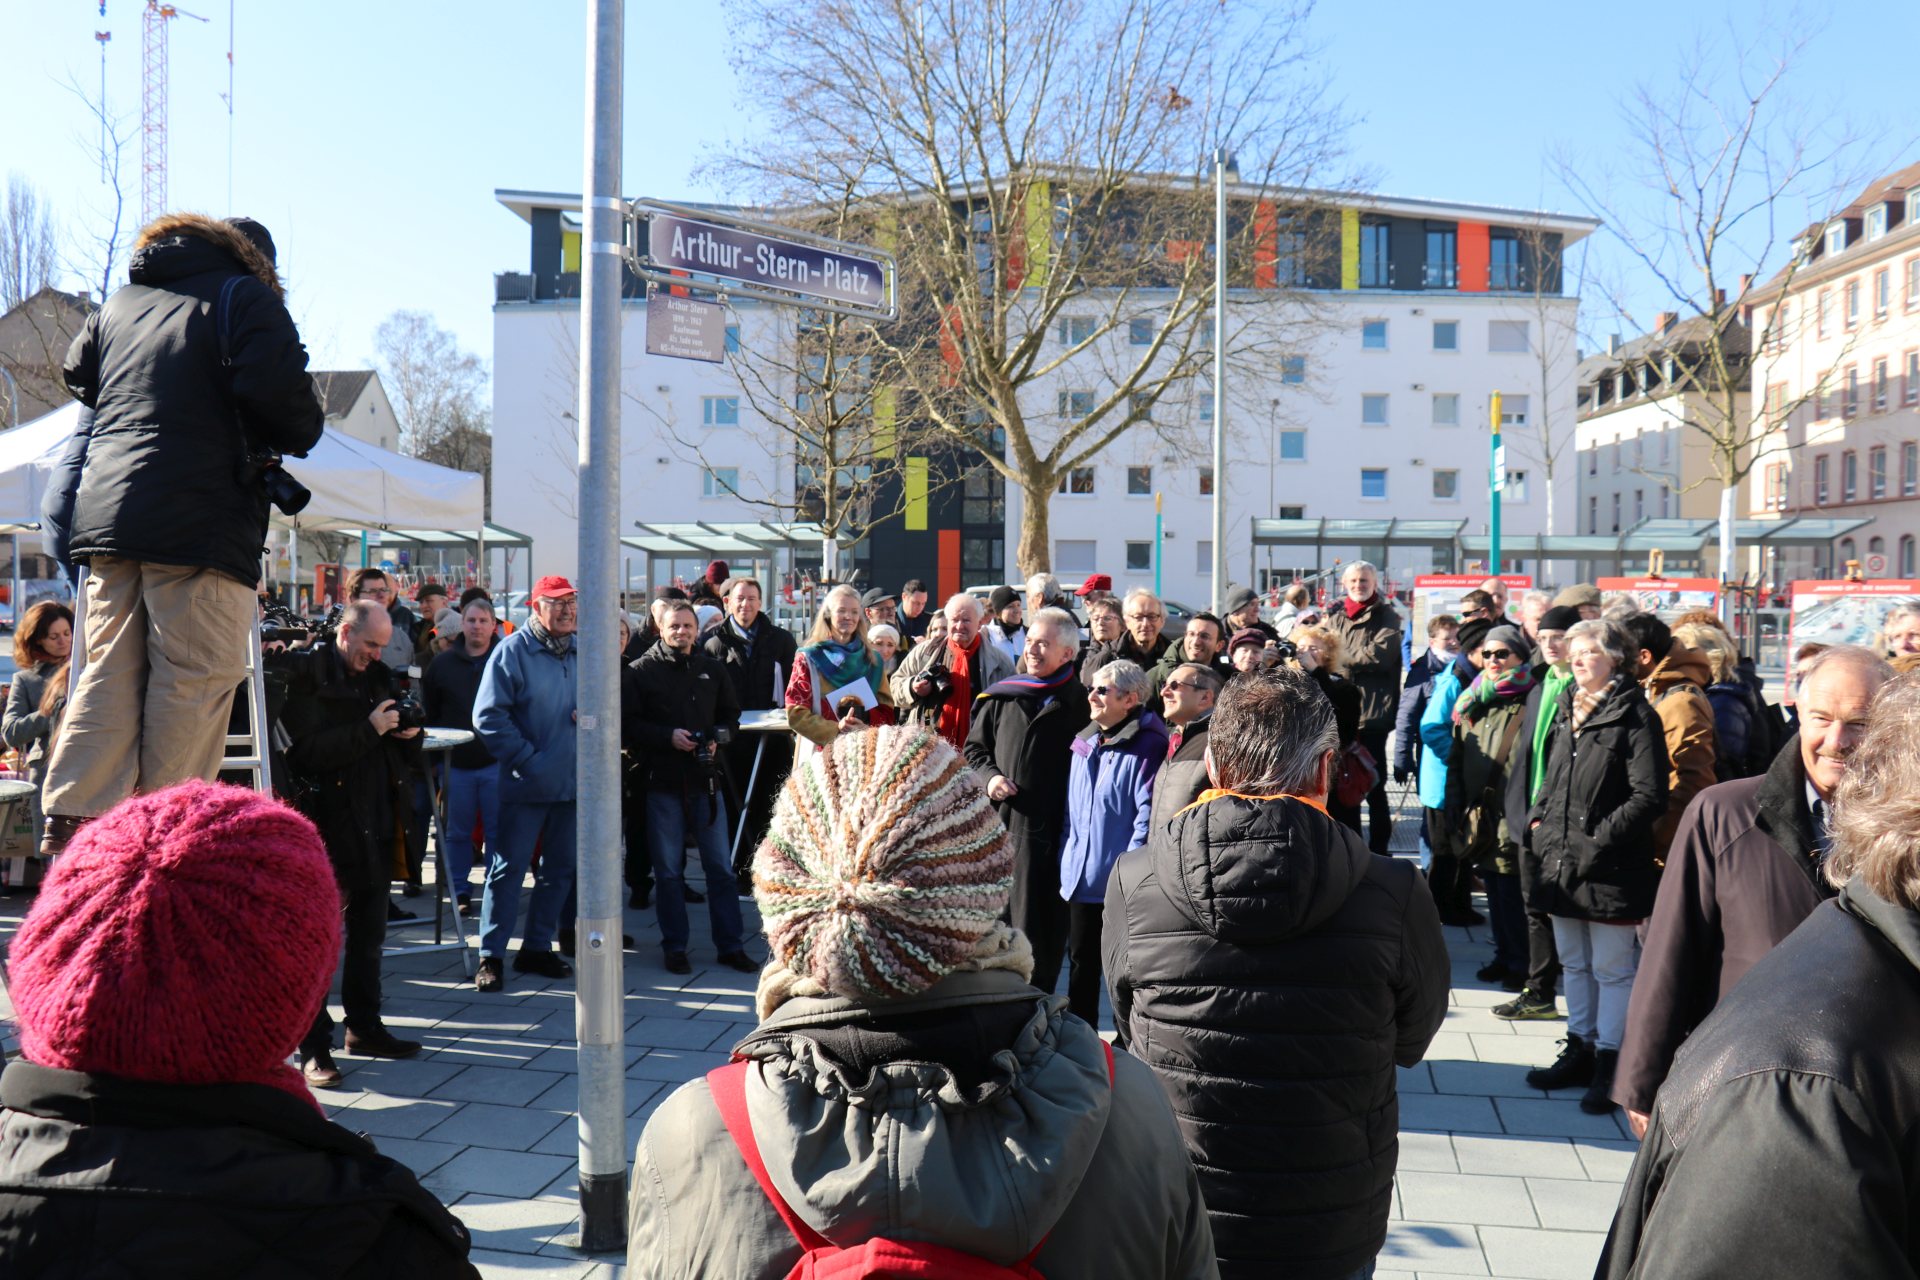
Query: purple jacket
(1109, 800)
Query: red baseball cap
(553, 587)
(1095, 582)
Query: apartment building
(1368, 396)
(1641, 452)
(1837, 382)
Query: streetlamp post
(1497, 478)
(1219, 376)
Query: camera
(705, 740)
(282, 490)
(941, 679)
(850, 705)
(1286, 649)
(407, 706)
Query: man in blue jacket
(526, 719)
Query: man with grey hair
(1369, 628)
(1533, 606)
(1109, 797)
(1900, 633)
(937, 684)
(1782, 1143)
(1021, 746)
(1186, 702)
(1043, 592)
(1142, 616)
(1265, 964)
(1745, 870)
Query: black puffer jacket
(165, 478)
(1273, 972)
(1605, 788)
(1783, 1141)
(665, 691)
(104, 1177)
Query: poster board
(1842, 613)
(1666, 598)
(1438, 593)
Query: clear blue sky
(370, 137)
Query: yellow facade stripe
(884, 433)
(569, 250)
(914, 482)
(1349, 248)
(1039, 227)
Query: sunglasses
(1105, 691)
(1175, 686)
(1495, 655)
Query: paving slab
(1461, 1197)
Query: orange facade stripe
(1475, 257)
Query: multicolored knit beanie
(186, 937)
(884, 866)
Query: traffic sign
(709, 251)
(1876, 564)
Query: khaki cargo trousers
(166, 646)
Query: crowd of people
(1007, 791)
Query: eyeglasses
(562, 606)
(1101, 691)
(1141, 617)
(1175, 686)
(1496, 655)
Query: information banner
(1665, 598)
(1438, 593)
(1842, 613)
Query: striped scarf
(1484, 694)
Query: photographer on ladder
(677, 706)
(198, 383)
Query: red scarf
(1355, 606)
(956, 713)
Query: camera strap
(223, 319)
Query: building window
(1507, 335)
(720, 482)
(1853, 304)
(1913, 283)
(720, 411)
(1293, 370)
(1876, 222)
(1639, 505)
(1513, 411)
(1503, 262)
(1446, 485)
(1616, 453)
(1373, 484)
(1776, 490)
(1882, 293)
(1374, 273)
(1074, 330)
(733, 340)
(1820, 481)
(1848, 551)
(1373, 409)
(1593, 461)
(1593, 516)
(1078, 481)
(1206, 409)
(1616, 514)
(1139, 482)
(1849, 476)
(1293, 445)
(1877, 472)
(1639, 449)
(1203, 557)
(1824, 311)
(1140, 333)
(1880, 385)
(1139, 557)
(1140, 405)
(1446, 409)
(1446, 335)
(1666, 501)
(1075, 404)
(1910, 386)
(1837, 237)
(1206, 482)
(1075, 555)
(1905, 568)
(1373, 335)
(1442, 266)
(1850, 394)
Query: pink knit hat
(186, 937)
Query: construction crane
(153, 108)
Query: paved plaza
(1496, 1179)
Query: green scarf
(1557, 678)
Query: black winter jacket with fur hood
(166, 478)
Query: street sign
(686, 329)
(717, 252)
(1499, 468)
(1876, 564)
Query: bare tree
(29, 251)
(1720, 157)
(1038, 169)
(101, 241)
(1544, 436)
(438, 393)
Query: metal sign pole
(1219, 576)
(600, 983)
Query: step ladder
(256, 743)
